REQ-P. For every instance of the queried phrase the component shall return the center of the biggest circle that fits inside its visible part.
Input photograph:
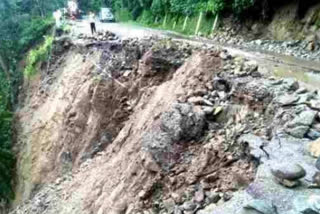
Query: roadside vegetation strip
(37, 56)
(188, 17)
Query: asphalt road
(277, 64)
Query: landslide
(160, 126)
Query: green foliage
(123, 15)
(216, 6)
(146, 18)
(34, 32)
(239, 6)
(6, 157)
(37, 56)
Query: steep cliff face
(68, 115)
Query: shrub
(37, 56)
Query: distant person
(57, 16)
(92, 23)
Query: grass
(37, 56)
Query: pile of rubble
(99, 36)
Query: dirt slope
(177, 129)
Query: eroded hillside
(158, 126)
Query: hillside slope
(156, 126)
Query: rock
(298, 132)
(318, 163)
(261, 206)
(224, 55)
(291, 84)
(258, 42)
(196, 100)
(208, 209)
(199, 196)
(288, 171)
(313, 134)
(208, 110)
(227, 196)
(250, 66)
(286, 100)
(307, 205)
(213, 197)
(222, 95)
(255, 144)
(189, 206)
(169, 205)
(300, 125)
(181, 123)
(302, 90)
(314, 148)
(316, 179)
(207, 102)
(177, 210)
(288, 174)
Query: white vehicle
(106, 15)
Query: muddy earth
(143, 126)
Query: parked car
(106, 15)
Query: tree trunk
(165, 20)
(185, 23)
(215, 23)
(174, 24)
(199, 23)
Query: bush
(123, 15)
(239, 6)
(146, 18)
(6, 156)
(37, 56)
(34, 31)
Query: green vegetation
(185, 16)
(37, 56)
(23, 26)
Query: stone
(261, 206)
(213, 197)
(224, 55)
(318, 163)
(291, 84)
(307, 205)
(208, 110)
(255, 143)
(227, 196)
(189, 206)
(314, 148)
(289, 171)
(298, 132)
(199, 196)
(207, 102)
(250, 66)
(177, 210)
(169, 205)
(208, 209)
(316, 179)
(195, 100)
(302, 90)
(286, 100)
(313, 134)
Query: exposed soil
(153, 126)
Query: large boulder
(166, 140)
